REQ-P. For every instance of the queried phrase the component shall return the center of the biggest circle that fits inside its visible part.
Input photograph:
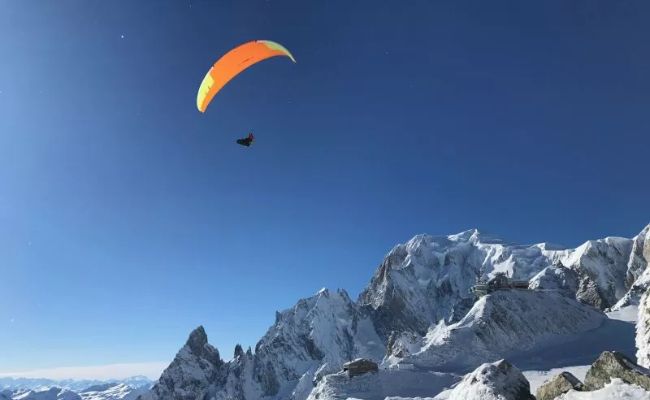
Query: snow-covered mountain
(45, 389)
(418, 306)
(428, 278)
(75, 385)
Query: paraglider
(247, 141)
(234, 62)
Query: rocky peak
(196, 366)
(238, 351)
(199, 347)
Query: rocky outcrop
(643, 331)
(559, 385)
(360, 366)
(496, 381)
(615, 365)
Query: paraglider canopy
(234, 62)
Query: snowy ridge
(499, 325)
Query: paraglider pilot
(247, 141)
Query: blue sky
(127, 218)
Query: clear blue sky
(127, 218)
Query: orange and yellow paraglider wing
(234, 62)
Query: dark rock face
(360, 366)
(559, 385)
(612, 364)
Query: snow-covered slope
(112, 391)
(499, 325)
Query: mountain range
(418, 316)
(420, 322)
